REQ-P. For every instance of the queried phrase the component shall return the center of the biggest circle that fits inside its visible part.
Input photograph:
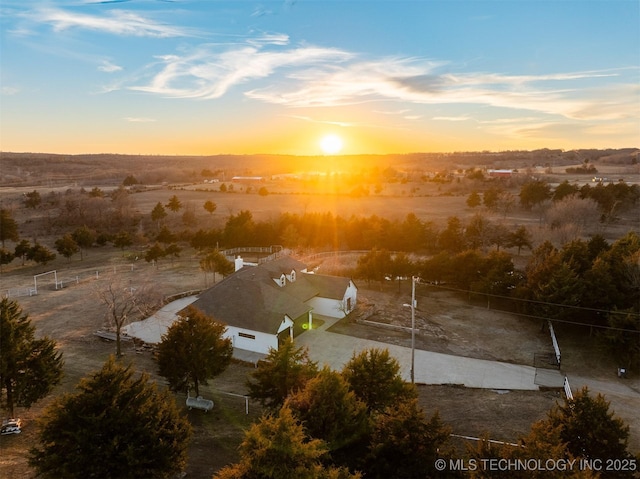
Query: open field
(446, 324)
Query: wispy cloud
(421, 82)
(451, 118)
(108, 67)
(207, 72)
(133, 119)
(324, 122)
(9, 90)
(116, 22)
(298, 76)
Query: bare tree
(583, 212)
(126, 302)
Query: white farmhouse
(261, 305)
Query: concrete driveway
(335, 350)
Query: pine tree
(193, 350)
(115, 426)
(277, 447)
(374, 376)
(283, 371)
(29, 367)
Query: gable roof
(328, 286)
(250, 298)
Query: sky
(314, 77)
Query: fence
(19, 292)
(490, 441)
(554, 340)
(274, 252)
(567, 389)
(62, 282)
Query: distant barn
(500, 173)
(248, 179)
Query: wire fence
(58, 282)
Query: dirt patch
(445, 324)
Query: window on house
(245, 335)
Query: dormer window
(292, 276)
(283, 280)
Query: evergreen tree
(174, 204)
(285, 370)
(215, 262)
(210, 206)
(330, 410)
(8, 227)
(405, 444)
(590, 430)
(158, 213)
(534, 193)
(22, 250)
(33, 199)
(29, 367)
(40, 254)
(193, 350)
(115, 426)
(277, 448)
(474, 200)
(66, 246)
(374, 376)
(122, 240)
(84, 238)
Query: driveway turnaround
(335, 350)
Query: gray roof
(250, 299)
(328, 286)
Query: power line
(533, 316)
(534, 301)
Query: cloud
(451, 118)
(324, 122)
(116, 22)
(298, 76)
(269, 39)
(139, 119)
(109, 67)
(10, 91)
(421, 82)
(207, 72)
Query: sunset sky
(215, 77)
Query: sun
(331, 144)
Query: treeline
(591, 283)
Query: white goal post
(36, 276)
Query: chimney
(239, 263)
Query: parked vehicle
(11, 426)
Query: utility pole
(414, 280)
(413, 328)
